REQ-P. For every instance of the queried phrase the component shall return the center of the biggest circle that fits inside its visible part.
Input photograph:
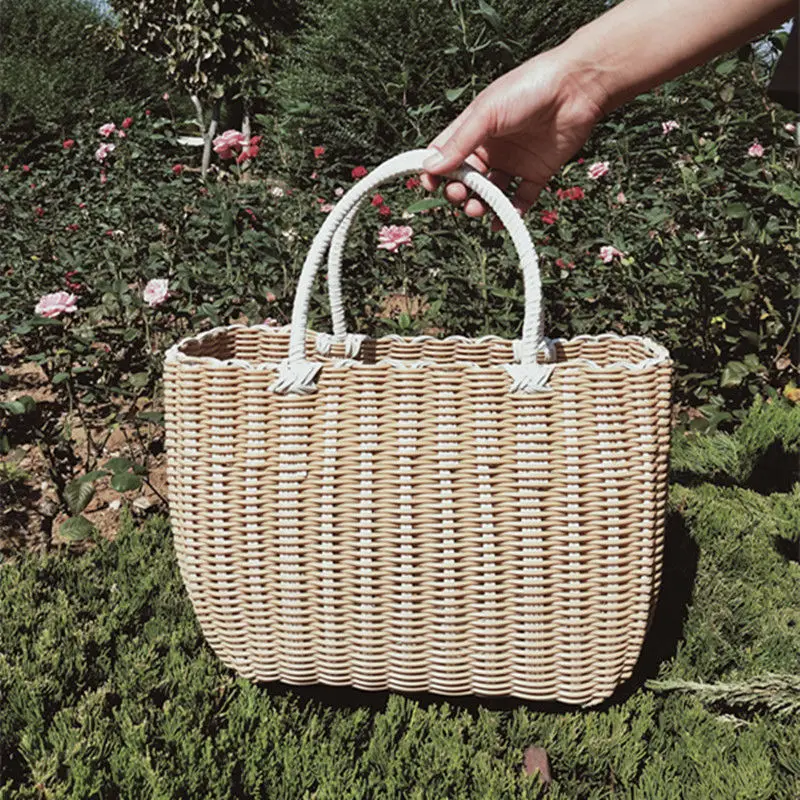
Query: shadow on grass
(776, 470)
(661, 642)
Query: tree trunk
(208, 133)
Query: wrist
(583, 79)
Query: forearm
(639, 44)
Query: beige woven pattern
(414, 525)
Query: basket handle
(297, 376)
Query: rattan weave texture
(409, 522)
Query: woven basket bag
(460, 516)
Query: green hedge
(369, 81)
(108, 689)
(54, 67)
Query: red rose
(69, 144)
(385, 211)
(377, 200)
(177, 169)
(319, 152)
(127, 122)
(412, 183)
(358, 172)
(549, 217)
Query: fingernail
(433, 160)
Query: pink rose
(177, 169)
(156, 292)
(51, 305)
(790, 127)
(338, 191)
(319, 152)
(608, 252)
(598, 169)
(127, 122)
(107, 129)
(668, 126)
(229, 144)
(326, 208)
(270, 297)
(391, 237)
(103, 152)
(68, 144)
(165, 96)
(755, 150)
(26, 167)
(621, 199)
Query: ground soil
(30, 509)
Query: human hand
(526, 125)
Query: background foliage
(55, 69)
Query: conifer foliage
(108, 690)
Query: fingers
(460, 139)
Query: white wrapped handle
(298, 375)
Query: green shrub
(54, 66)
(369, 82)
(108, 689)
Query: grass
(108, 690)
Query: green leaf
(76, 529)
(119, 464)
(727, 92)
(152, 416)
(125, 482)
(733, 374)
(752, 363)
(789, 193)
(453, 94)
(735, 210)
(78, 494)
(490, 15)
(22, 405)
(60, 377)
(726, 67)
(425, 204)
(138, 379)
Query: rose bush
(664, 226)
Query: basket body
(413, 525)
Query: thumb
(458, 141)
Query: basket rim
(657, 354)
